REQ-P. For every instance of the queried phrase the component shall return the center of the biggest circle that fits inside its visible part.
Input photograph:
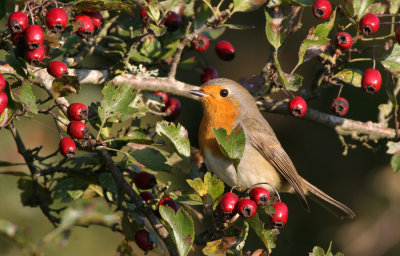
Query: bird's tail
(336, 207)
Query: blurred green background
(362, 180)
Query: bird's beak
(199, 93)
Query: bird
(227, 104)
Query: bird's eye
(224, 92)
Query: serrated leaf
(266, 236)
(316, 41)
(360, 7)
(70, 188)
(395, 163)
(65, 85)
(377, 8)
(211, 185)
(247, 5)
(181, 228)
(215, 187)
(151, 158)
(176, 136)
(289, 81)
(394, 6)
(232, 145)
(391, 60)
(27, 98)
(219, 247)
(350, 76)
(116, 103)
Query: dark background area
(362, 180)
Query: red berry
(208, 74)
(97, 18)
(144, 180)
(168, 201)
(17, 22)
(343, 40)
(86, 27)
(57, 69)
(200, 43)
(34, 36)
(67, 147)
(142, 239)
(340, 106)
(225, 50)
(163, 96)
(34, 57)
(279, 218)
(371, 81)
(147, 196)
(172, 109)
(369, 24)
(228, 203)
(77, 130)
(77, 111)
(143, 14)
(173, 22)
(297, 106)
(398, 34)
(2, 83)
(3, 102)
(260, 195)
(247, 208)
(322, 9)
(17, 38)
(56, 20)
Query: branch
(343, 126)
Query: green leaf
(211, 185)
(107, 182)
(137, 136)
(219, 247)
(317, 251)
(27, 98)
(300, 2)
(391, 60)
(181, 228)
(69, 189)
(316, 41)
(272, 30)
(237, 26)
(394, 6)
(151, 158)
(151, 48)
(274, 3)
(191, 63)
(32, 193)
(377, 8)
(116, 103)
(232, 145)
(203, 12)
(395, 163)
(158, 31)
(247, 5)
(350, 76)
(7, 164)
(65, 85)
(214, 33)
(289, 81)
(3, 8)
(16, 65)
(361, 7)
(176, 136)
(266, 236)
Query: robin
(227, 104)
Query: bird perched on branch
(227, 104)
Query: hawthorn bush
(120, 166)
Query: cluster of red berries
(32, 36)
(77, 112)
(172, 106)
(3, 95)
(230, 204)
(371, 80)
(145, 181)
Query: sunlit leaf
(391, 60)
(350, 76)
(176, 136)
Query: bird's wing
(262, 137)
